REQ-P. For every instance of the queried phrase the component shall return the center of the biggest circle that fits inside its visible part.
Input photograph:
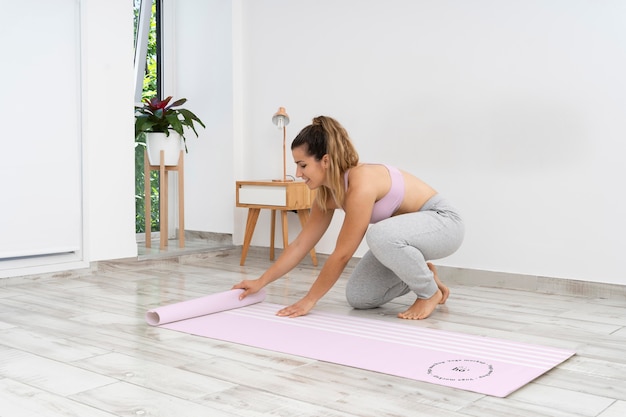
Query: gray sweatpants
(399, 248)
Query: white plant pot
(172, 145)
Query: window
(147, 15)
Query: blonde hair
(326, 136)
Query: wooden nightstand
(273, 195)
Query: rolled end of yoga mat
(202, 306)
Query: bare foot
(445, 291)
(422, 307)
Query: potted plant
(156, 118)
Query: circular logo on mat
(460, 370)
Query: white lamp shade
(280, 118)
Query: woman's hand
(249, 287)
(298, 309)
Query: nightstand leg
(253, 216)
(285, 225)
(272, 233)
(303, 215)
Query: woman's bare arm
(311, 233)
(358, 207)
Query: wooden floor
(78, 345)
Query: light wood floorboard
(78, 345)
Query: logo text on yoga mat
(460, 370)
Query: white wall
(513, 110)
(198, 65)
(108, 129)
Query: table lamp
(281, 120)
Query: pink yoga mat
(202, 306)
(473, 363)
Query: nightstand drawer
(277, 195)
(262, 195)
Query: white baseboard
(462, 276)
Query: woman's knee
(362, 304)
(357, 300)
(377, 237)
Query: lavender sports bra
(386, 206)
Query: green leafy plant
(159, 116)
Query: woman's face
(312, 171)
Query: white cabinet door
(40, 133)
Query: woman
(411, 224)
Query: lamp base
(283, 180)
